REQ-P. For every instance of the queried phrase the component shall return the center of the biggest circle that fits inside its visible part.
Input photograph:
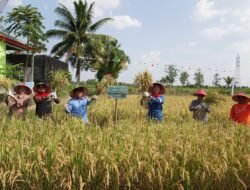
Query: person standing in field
(77, 105)
(155, 102)
(44, 99)
(240, 112)
(200, 108)
(18, 103)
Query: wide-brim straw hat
(200, 93)
(81, 88)
(237, 96)
(46, 86)
(162, 88)
(18, 87)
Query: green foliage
(11, 71)
(184, 78)
(214, 98)
(143, 81)
(60, 80)
(92, 82)
(112, 61)
(228, 80)
(216, 80)
(171, 74)
(77, 31)
(104, 83)
(198, 78)
(6, 83)
(26, 21)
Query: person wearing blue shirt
(155, 102)
(77, 105)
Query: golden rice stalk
(214, 98)
(6, 83)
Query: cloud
(192, 44)
(152, 57)
(216, 33)
(124, 21)
(14, 3)
(205, 9)
(101, 7)
(241, 47)
(67, 3)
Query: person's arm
(27, 102)
(206, 107)
(68, 107)
(159, 99)
(193, 107)
(232, 113)
(57, 100)
(36, 99)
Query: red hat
(243, 95)
(82, 89)
(46, 86)
(163, 90)
(17, 88)
(200, 92)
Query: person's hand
(54, 95)
(65, 106)
(9, 93)
(95, 97)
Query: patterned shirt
(200, 110)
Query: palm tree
(77, 32)
(113, 60)
(228, 80)
(26, 21)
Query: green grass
(134, 154)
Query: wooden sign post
(117, 92)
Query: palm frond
(98, 24)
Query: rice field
(63, 153)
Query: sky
(191, 34)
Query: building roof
(12, 43)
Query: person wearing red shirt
(240, 112)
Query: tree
(199, 78)
(172, 73)
(1, 23)
(11, 71)
(114, 60)
(77, 32)
(26, 22)
(228, 80)
(143, 81)
(216, 80)
(184, 78)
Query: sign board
(118, 92)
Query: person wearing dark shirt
(44, 99)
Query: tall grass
(135, 154)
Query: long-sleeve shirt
(78, 108)
(18, 108)
(200, 110)
(155, 107)
(240, 113)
